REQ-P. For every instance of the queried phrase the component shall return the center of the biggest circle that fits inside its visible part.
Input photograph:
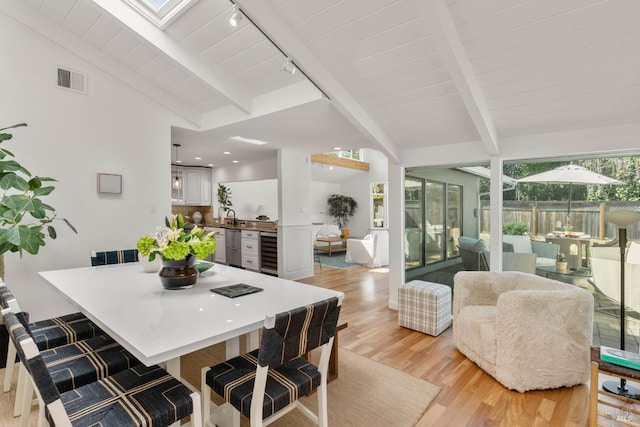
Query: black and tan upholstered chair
(138, 396)
(77, 364)
(114, 257)
(47, 334)
(266, 383)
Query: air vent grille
(75, 81)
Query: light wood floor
(469, 397)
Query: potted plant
(224, 199)
(342, 208)
(23, 214)
(561, 262)
(179, 249)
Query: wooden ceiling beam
(340, 161)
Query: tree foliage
(624, 169)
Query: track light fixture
(289, 66)
(236, 16)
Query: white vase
(197, 217)
(150, 266)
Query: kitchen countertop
(240, 226)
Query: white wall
(72, 137)
(320, 193)
(241, 176)
(359, 187)
(295, 254)
(247, 195)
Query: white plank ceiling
(399, 74)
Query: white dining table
(158, 325)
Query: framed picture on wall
(109, 183)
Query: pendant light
(176, 182)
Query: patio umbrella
(570, 174)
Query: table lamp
(622, 219)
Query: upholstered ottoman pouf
(424, 306)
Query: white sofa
(605, 269)
(476, 257)
(372, 250)
(526, 331)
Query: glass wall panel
(454, 219)
(414, 222)
(435, 203)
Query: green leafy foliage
(624, 169)
(23, 215)
(514, 228)
(342, 208)
(175, 243)
(224, 197)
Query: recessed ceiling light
(248, 140)
(198, 158)
(234, 161)
(178, 161)
(210, 165)
(337, 148)
(227, 152)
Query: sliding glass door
(433, 221)
(414, 222)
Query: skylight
(160, 12)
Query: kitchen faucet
(234, 216)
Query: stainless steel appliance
(234, 247)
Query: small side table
(616, 408)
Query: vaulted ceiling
(392, 75)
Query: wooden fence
(543, 217)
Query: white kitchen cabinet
(220, 256)
(197, 186)
(250, 242)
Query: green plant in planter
(342, 208)
(224, 197)
(21, 202)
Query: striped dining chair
(130, 398)
(114, 257)
(48, 333)
(266, 383)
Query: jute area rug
(366, 393)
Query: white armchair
(605, 268)
(372, 250)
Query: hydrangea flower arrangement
(173, 242)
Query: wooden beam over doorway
(340, 161)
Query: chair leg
(196, 416)
(322, 405)
(317, 256)
(26, 402)
(11, 362)
(205, 396)
(23, 379)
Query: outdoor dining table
(584, 239)
(158, 325)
